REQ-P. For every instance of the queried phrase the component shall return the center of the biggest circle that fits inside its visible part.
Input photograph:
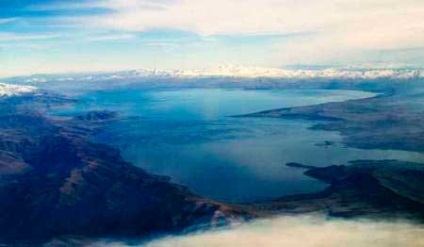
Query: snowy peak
(257, 72)
(234, 71)
(14, 90)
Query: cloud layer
(347, 29)
(267, 16)
(307, 231)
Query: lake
(190, 136)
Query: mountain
(54, 181)
(231, 71)
(14, 90)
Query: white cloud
(6, 20)
(210, 17)
(305, 231)
(25, 46)
(14, 37)
(268, 16)
(355, 38)
(64, 5)
(343, 29)
(112, 37)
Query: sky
(53, 36)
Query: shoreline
(383, 122)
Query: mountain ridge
(233, 71)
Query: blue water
(186, 134)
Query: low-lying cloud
(301, 231)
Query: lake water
(187, 134)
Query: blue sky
(47, 36)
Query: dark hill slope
(56, 182)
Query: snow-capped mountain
(236, 72)
(13, 90)
(256, 72)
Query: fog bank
(305, 231)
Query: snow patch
(14, 90)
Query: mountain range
(232, 71)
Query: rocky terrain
(365, 188)
(392, 120)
